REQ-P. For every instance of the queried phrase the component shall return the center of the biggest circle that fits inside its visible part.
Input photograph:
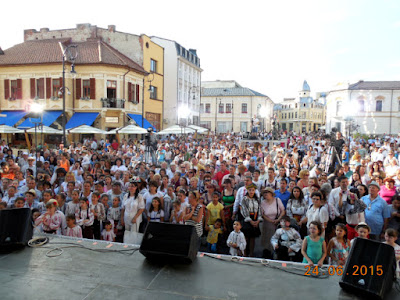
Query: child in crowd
(104, 200)
(287, 241)
(314, 246)
(99, 214)
(73, 205)
(339, 246)
(155, 214)
(362, 230)
(53, 220)
(107, 234)
(391, 236)
(114, 216)
(213, 234)
(84, 217)
(236, 240)
(176, 213)
(3, 205)
(30, 199)
(73, 229)
(214, 210)
(35, 215)
(46, 196)
(61, 198)
(19, 202)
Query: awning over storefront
(12, 117)
(49, 116)
(138, 120)
(81, 118)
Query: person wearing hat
(273, 211)
(53, 220)
(251, 212)
(377, 213)
(241, 192)
(30, 199)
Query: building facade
(106, 91)
(139, 48)
(372, 107)
(226, 106)
(182, 81)
(303, 113)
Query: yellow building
(301, 114)
(153, 63)
(106, 89)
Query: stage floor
(83, 274)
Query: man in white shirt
(338, 196)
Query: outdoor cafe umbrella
(9, 129)
(44, 130)
(177, 129)
(129, 129)
(86, 129)
(199, 129)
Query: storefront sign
(112, 120)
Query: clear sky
(268, 46)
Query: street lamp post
(72, 55)
(216, 112)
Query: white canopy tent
(9, 129)
(177, 129)
(86, 129)
(129, 129)
(45, 130)
(199, 129)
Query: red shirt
(218, 177)
(115, 146)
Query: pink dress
(387, 194)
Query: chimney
(1, 51)
(111, 28)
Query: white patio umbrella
(86, 129)
(9, 129)
(45, 130)
(129, 129)
(199, 129)
(177, 129)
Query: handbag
(133, 237)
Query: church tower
(305, 92)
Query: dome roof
(306, 87)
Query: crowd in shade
(296, 199)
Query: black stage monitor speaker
(370, 269)
(167, 243)
(15, 227)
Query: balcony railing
(113, 103)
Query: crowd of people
(295, 199)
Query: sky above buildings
(268, 46)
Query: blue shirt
(283, 196)
(376, 213)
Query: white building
(226, 105)
(374, 106)
(182, 79)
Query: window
(206, 124)
(40, 88)
(153, 65)
(221, 108)
(14, 89)
(338, 108)
(111, 89)
(86, 88)
(228, 108)
(202, 108)
(399, 105)
(56, 87)
(304, 115)
(361, 105)
(379, 105)
(153, 92)
(295, 115)
(208, 108)
(244, 108)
